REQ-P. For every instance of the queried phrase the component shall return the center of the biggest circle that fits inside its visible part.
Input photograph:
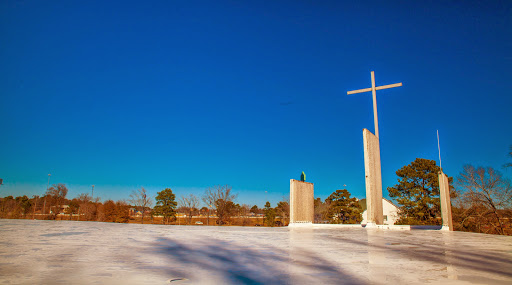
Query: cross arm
(376, 88)
(359, 91)
(388, 86)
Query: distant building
(63, 209)
(389, 210)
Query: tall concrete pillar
(446, 206)
(373, 179)
(302, 202)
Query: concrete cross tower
(372, 168)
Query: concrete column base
(299, 224)
(394, 227)
(373, 178)
(302, 204)
(446, 206)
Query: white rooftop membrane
(60, 252)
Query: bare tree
(209, 204)
(485, 192)
(221, 198)
(84, 198)
(244, 210)
(189, 204)
(58, 193)
(141, 200)
(509, 154)
(85, 206)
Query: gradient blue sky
(191, 94)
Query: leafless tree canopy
(486, 186)
(189, 204)
(509, 154)
(244, 210)
(141, 200)
(485, 194)
(57, 194)
(221, 199)
(215, 193)
(84, 198)
(57, 191)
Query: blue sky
(191, 94)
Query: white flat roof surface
(66, 252)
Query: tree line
(219, 208)
(481, 202)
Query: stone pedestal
(373, 179)
(446, 206)
(301, 202)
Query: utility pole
(47, 186)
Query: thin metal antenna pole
(439, 149)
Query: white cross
(373, 89)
